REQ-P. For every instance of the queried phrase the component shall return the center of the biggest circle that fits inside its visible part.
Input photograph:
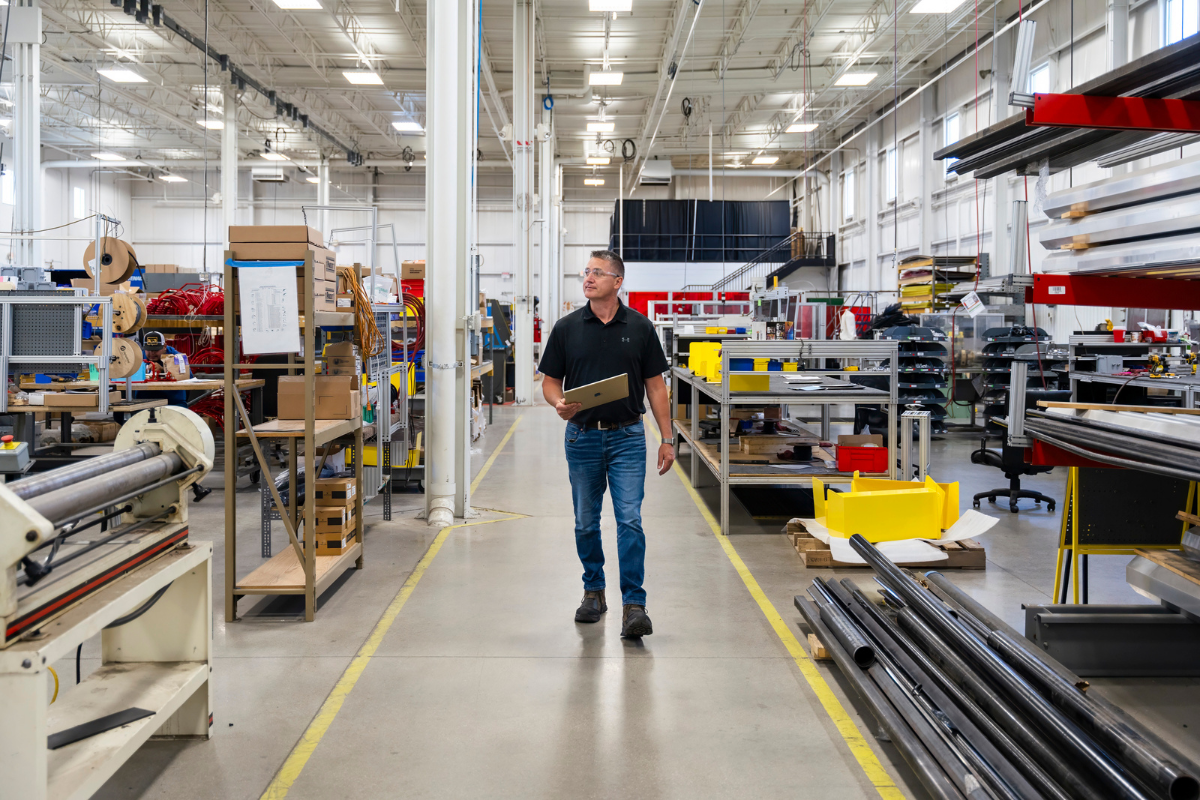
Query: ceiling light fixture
(107, 157)
(363, 77)
(298, 5)
(599, 161)
(122, 75)
(211, 124)
(407, 127)
(273, 156)
(802, 127)
(935, 6)
(313, 179)
(605, 78)
(610, 5)
(764, 161)
(855, 79)
(172, 178)
(593, 181)
(601, 127)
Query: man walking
(606, 445)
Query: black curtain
(690, 230)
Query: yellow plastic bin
(885, 516)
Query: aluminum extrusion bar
(1161, 115)
(1066, 734)
(1140, 186)
(1150, 220)
(1165, 257)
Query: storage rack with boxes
(730, 383)
(316, 413)
(924, 280)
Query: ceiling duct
(656, 173)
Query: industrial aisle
(483, 686)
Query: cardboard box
(342, 359)
(336, 491)
(275, 233)
(325, 260)
(336, 547)
(861, 440)
(336, 397)
(412, 270)
(76, 399)
(164, 269)
(334, 519)
(344, 301)
(177, 366)
(105, 288)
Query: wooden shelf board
(1175, 561)
(711, 455)
(80, 769)
(324, 430)
(284, 574)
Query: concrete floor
(484, 686)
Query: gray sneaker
(634, 622)
(592, 607)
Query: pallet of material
(965, 554)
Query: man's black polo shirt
(582, 350)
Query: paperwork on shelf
(270, 318)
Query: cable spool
(129, 312)
(126, 358)
(117, 260)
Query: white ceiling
(744, 71)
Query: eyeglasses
(596, 273)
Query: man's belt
(599, 425)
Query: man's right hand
(567, 410)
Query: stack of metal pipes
(973, 707)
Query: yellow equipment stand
(1068, 542)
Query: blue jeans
(616, 459)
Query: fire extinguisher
(537, 329)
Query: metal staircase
(810, 249)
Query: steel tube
(58, 506)
(922, 762)
(1025, 735)
(836, 620)
(71, 475)
(1004, 744)
(1103, 458)
(1165, 454)
(1147, 762)
(1062, 730)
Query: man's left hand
(666, 457)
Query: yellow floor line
(302, 752)
(850, 733)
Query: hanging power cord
(132, 615)
(372, 339)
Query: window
(848, 195)
(8, 188)
(950, 135)
(78, 203)
(890, 165)
(1039, 79)
(1181, 19)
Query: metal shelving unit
(813, 358)
(1086, 350)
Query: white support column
(523, 186)
(560, 236)
(229, 160)
(546, 202)
(447, 147)
(467, 299)
(323, 182)
(25, 37)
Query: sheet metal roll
(61, 504)
(70, 476)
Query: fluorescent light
(802, 127)
(172, 178)
(763, 161)
(855, 79)
(298, 5)
(363, 77)
(107, 157)
(593, 181)
(935, 6)
(122, 75)
(211, 124)
(598, 161)
(610, 5)
(271, 155)
(605, 78)
(407, 127)
(313, 179)
(601, 127)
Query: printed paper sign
(972, 304)
(270, 319)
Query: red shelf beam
(1114, 113)
(1100, 290)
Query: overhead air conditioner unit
(656, 173)
(268, 174)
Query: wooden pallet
(966, 554)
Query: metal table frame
(804, 351)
